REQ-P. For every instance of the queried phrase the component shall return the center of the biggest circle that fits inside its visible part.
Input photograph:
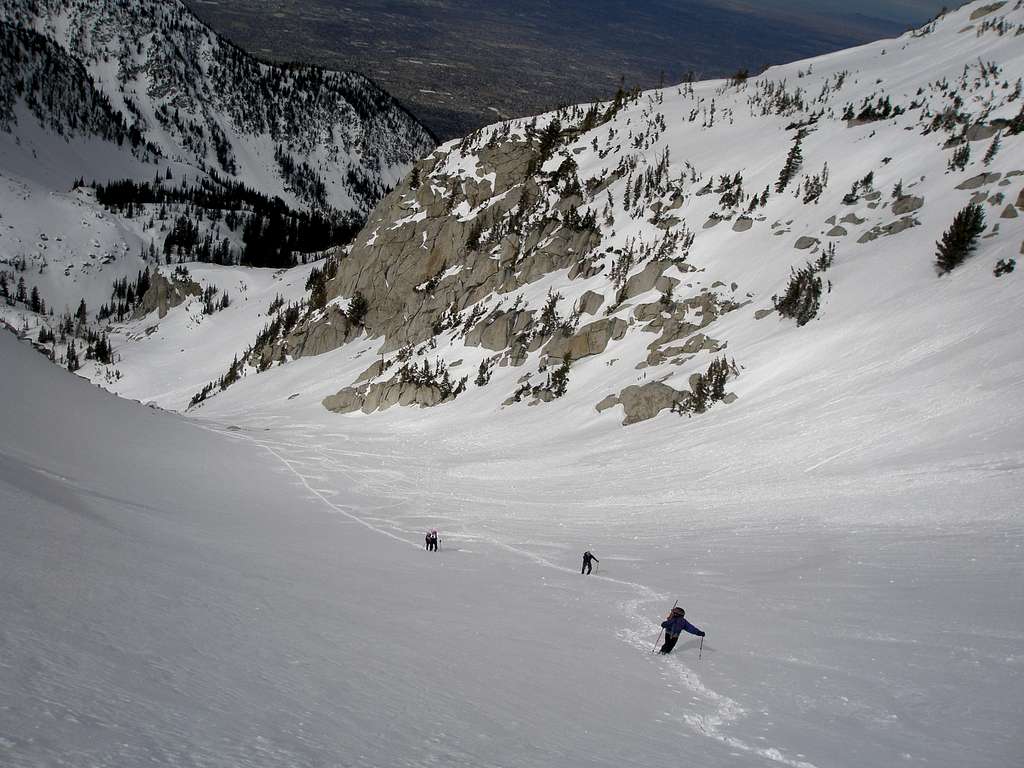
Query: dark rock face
(165, 293)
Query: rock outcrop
(165, 293)
(642, 401)
(436, 243)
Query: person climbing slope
(587, 558)
(675, 625)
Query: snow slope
(258, 596)
(247, 587)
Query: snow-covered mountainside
(822, 458)
(100, 93)
(677, 248)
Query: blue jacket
(679, 624)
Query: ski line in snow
(337, 508)
(726, 709)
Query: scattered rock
(644, 280)
(762, 313)
(589, 340)
(324, 335)
(372, 372)
(981, 132)
(887, 230)
(589, 303)
(805, 242)
(979, 181)
(496, 331)
(985, 10)
(1009, 212)
(347, 400)
(907, 204)
(642, 402)
(836, 231)
(742, 224)
(852, 218)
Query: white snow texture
(247, 585)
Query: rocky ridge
(590, 238)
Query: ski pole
(701, 651)
(663, 629)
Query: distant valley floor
(460, 65)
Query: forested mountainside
(322, 138)
(132, 134)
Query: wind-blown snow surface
(259, 596)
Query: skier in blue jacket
(674, 625)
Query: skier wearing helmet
(674, 625)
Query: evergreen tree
(993, 149)
(357, 308)
(960, 240)
(802, 297)
(794, 160)
(961, 157)
(103, 350)
(72, 357)
(560, 378)
(82, 314)
(483, 375)
(34, 302)
(20, 293)
(701, 393)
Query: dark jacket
(587, 557)
(678, 624)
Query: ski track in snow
(712, 724)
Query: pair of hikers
(432, 540)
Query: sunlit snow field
(257, 594)
(247, 586)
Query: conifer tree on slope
(960, 240)
(794, 160)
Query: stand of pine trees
(272, 233)
(706, 388)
